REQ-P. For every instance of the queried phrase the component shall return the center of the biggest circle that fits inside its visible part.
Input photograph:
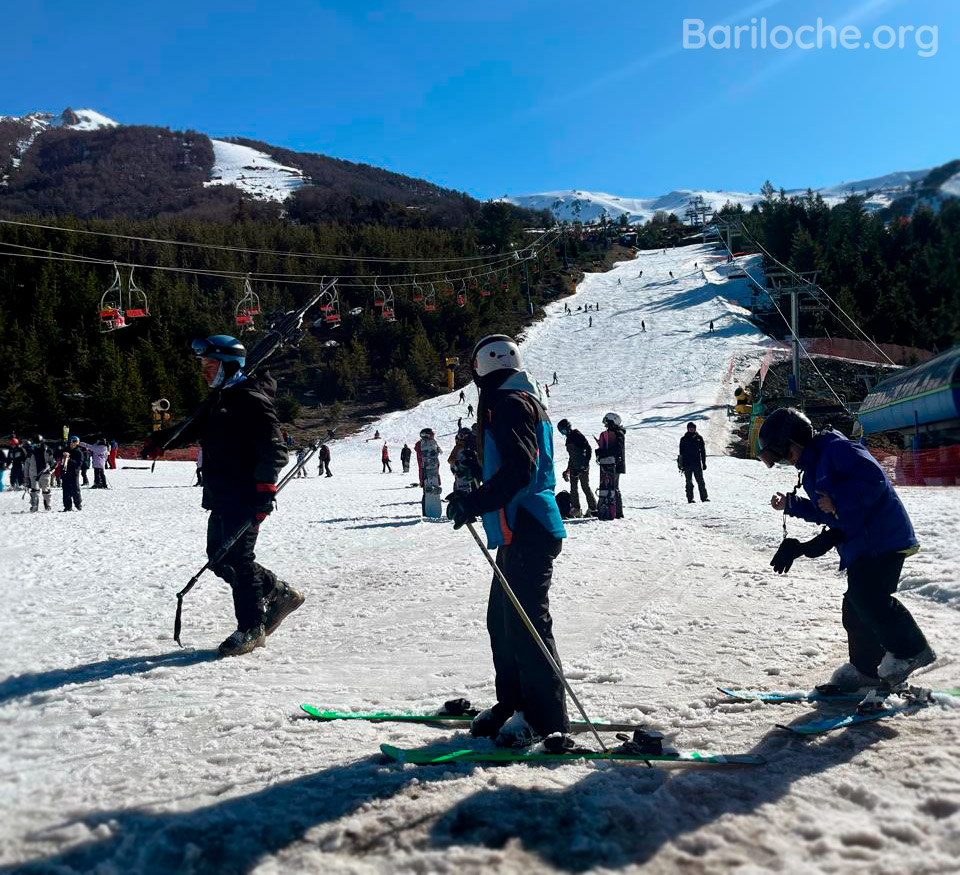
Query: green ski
(442, 720)
(443, 756)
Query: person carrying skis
(849, 494)
(36, 470)
(692, 461)
(521, 519)
(577, 472)
(611, 458)
(72, 464)
(385, 458)
(324, 455)
(405, 454)
(243, 453)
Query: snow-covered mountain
(35, 123)
(587, 206)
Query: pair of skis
(910, 699)
(644, 747)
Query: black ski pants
(690, 474)
(71, 491)
(874, 620)
(250, 582)
(581, 479)
(99, 479)
(324, 466)
(524, 680)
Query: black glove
(822, 543)
(459, 510)
(786, 553)
(704, 466)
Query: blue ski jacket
(869, 511)
(517, 461)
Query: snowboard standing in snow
(428, 460)
(610, 457)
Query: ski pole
(536, 635)
(227, 545)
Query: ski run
(121, 753)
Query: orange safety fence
(184, 454)
(939, 466)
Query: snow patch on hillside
(952, 186)
(254, 173)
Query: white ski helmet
(611, 419)
(493, 353)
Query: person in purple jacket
(849, 494)
(98, 456)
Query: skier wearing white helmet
(521, 519)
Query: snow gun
(225, 547)
(285, 330)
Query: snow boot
(849, 679)
(516, 732)
(895, 671)
(488, 722)
(243, 641)
(282, 601)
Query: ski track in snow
(120, 752)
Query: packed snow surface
(588, 206)
(253, 172)
(121, 752)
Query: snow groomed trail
(119, 752)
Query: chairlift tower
(795, 285)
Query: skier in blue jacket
(850, 495)
(521, 519)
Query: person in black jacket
(692, 461)
(243, 453)
(579, 453)
(72, 463)
(16, 457)
(521, 519)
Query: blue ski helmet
(221, 347)
(225, 349)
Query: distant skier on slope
(385, 459)
(849, 494)
(521, 519)
(243, 453)
(692, 461)
(405, 454)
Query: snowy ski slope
(120, 752)
(253, 172)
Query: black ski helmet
(784, 426)
(563, 426)
(426, 432)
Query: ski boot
(282, 601)
(848, 679)
(488, 722)
(243, 641)
(516, 732)
(894, 671)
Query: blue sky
(509, 97)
